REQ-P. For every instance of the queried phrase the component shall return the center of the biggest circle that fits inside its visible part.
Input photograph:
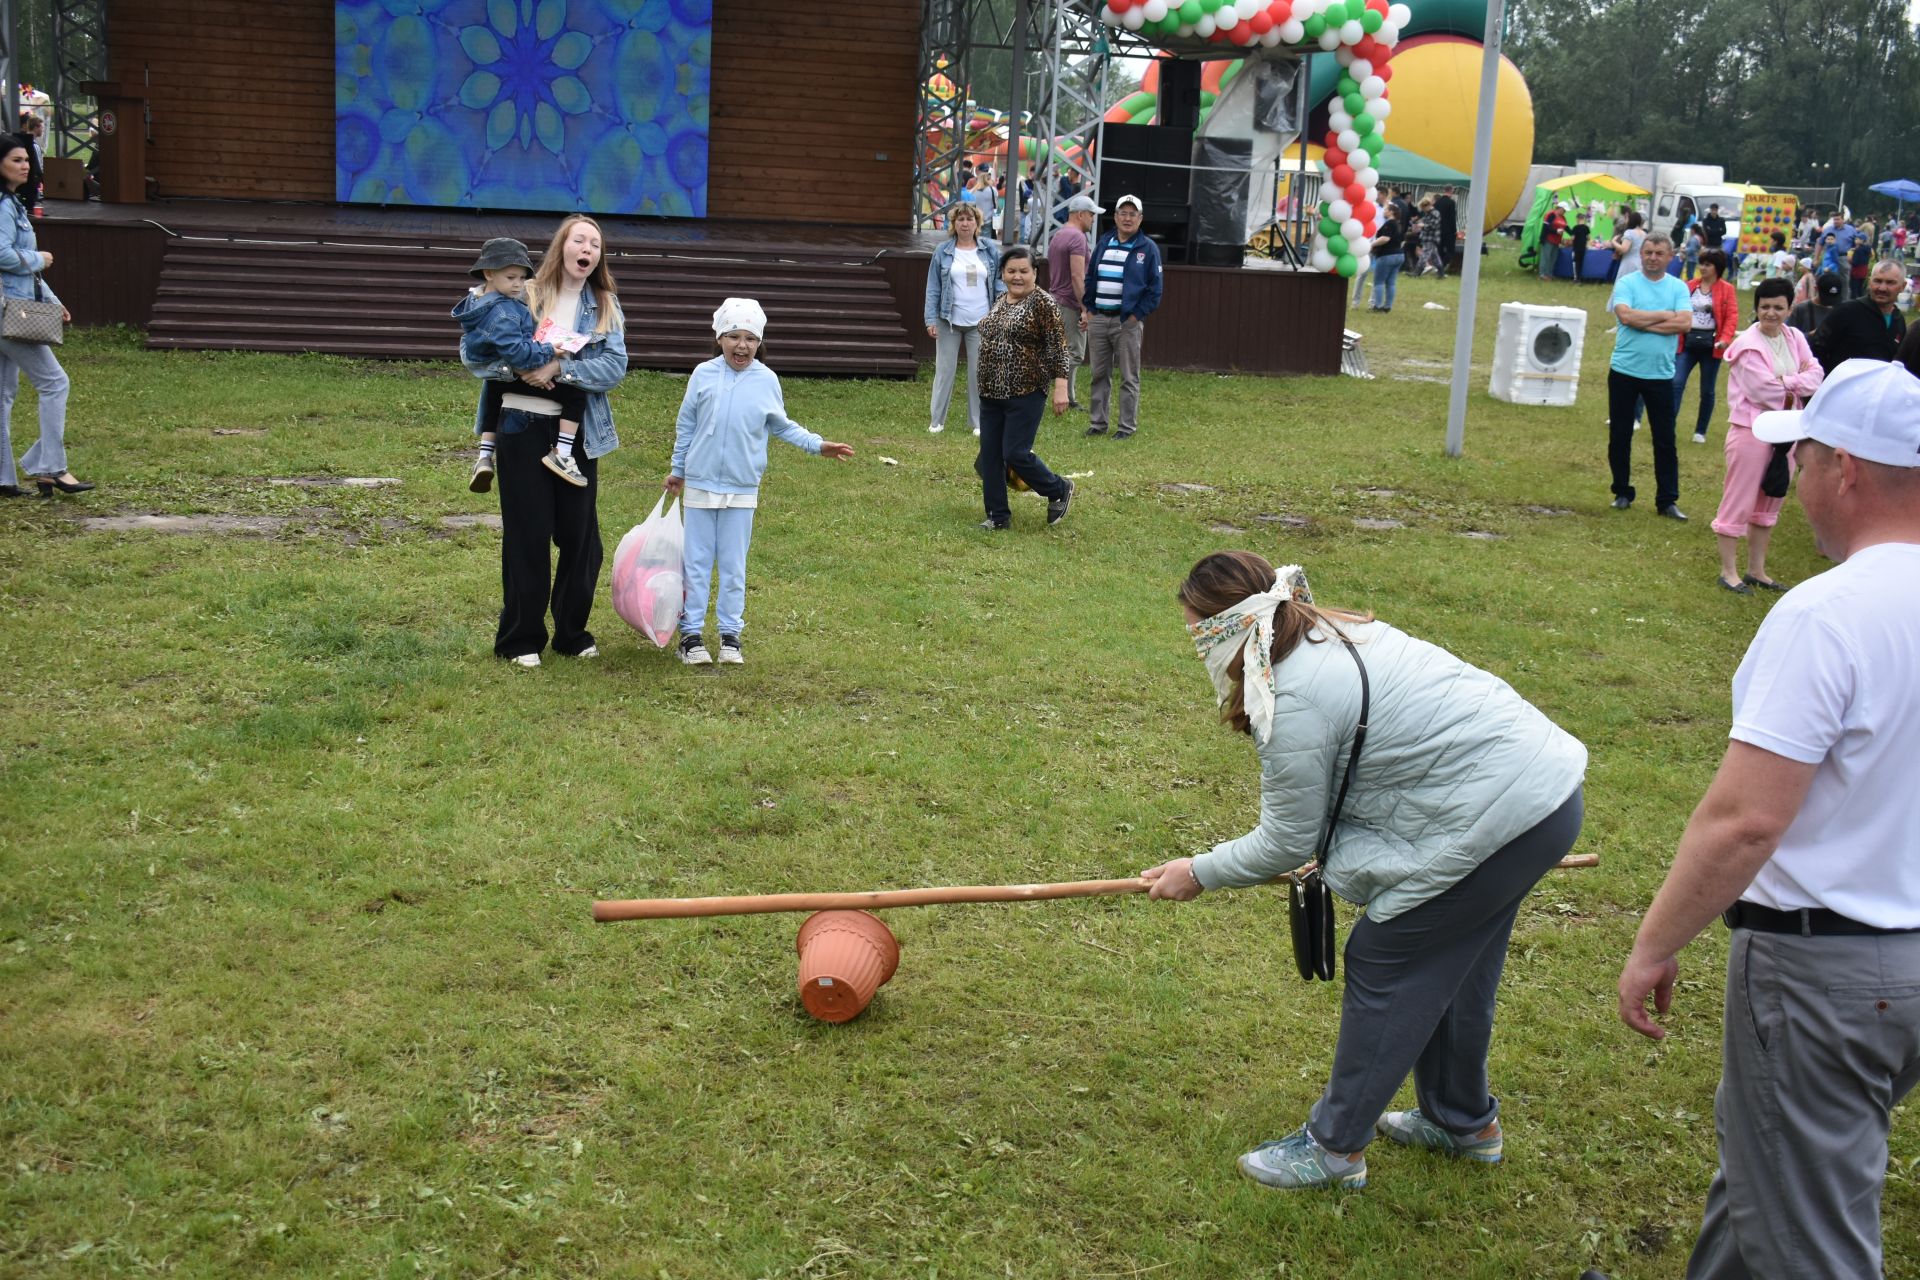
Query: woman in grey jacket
(1464, 796)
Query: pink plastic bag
(647, 589)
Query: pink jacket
(1753, 386)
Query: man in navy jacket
(1123, 288)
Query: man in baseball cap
(1122, 289)
(1805, 840)
(1067, 256)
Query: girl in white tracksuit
(733, 403)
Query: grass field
(296, 970)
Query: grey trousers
(946, 364)
(48, 457)
(1822, 1041)
(1077, 348)
(1114, 346)
(1419, 994)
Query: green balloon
(1190, 12)
(1371, 21)
(1209, 6)
(1347, 266)
(1363, 125)
(1353, 102)
(1316, 27)
(1346, 85)
(1329, 228)
(1336, 13)
(1337, 245)
(1171, 23)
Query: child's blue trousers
(716, 545)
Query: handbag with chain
(1309, 900)
(32, 319)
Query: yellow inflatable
(1436, 102)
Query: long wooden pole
(755, 904)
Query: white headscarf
(1247, 630)
(740, 313)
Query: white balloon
(1133, 19)
(1339, 210)
(1359, 68)
(1372, 86)
(1330, 40)
(1154, 9)
(1204, 27)
(1272, 38)
(1292, 31)
(1352, 230)
(1379, 108)
(1339, 121)
(1323, 259)
(1388, 35)
(1351, 32)
(1247, 8)
(1368, 177)
(1399, 15)
(1109, 17)
(1184, 30)
(1348, 141)
(1343, 55)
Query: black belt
(1808, 922)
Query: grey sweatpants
(1113, 347)
(1822, 1040)
(946, 367)
(1419, 994)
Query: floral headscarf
(1247, 629)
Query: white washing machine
(1536, 354)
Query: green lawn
(296, 969)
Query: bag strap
(1353, 758)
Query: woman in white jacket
(1464, 795)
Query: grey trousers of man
(1420, 992)
(1077, 349)
(1821, 1042)
(1113, 346)
(946, 365)
(48, 457)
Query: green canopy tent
(1398, 165)
(1577, 190)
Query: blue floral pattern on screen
(595, 105)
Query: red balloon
(1355, 193)
(1381, 69)
(1335, 157)
(1219, 34)
(1342, 175)
(1365, 210)
(1365, 48)
(1280, 11)
(1261, 22)
(1378, 6)
(1370, 228)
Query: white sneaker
(730, 655)
(1699, 437)
(566, 468)
(591, 651)
(935, 428)
(526, 660)
(693, 652)
(976, 433)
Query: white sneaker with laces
(526, 660)
(566, 468)
(591, 651)
(935, 428)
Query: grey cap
(1083, 204)
(498, 253)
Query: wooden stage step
(391, 301)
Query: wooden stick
(755, 904)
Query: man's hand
(1642, 978)
(1173, 881)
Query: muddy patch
(1531, 509)
(1379, 493)
(1483, 535)
(1285, 520)
(456, 523)
(259, 526)
(239, 431)
(1377, 525)
(335, 482)
(1186, 486)
(1221, 526)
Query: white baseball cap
(1870, 408)
(1124, 201)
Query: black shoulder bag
(1309, 901)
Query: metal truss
(940, 124)
(79, 55)
(9, 64)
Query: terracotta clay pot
(845, 956)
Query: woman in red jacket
(1716, 312)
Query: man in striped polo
(1123, 288)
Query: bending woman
(1464, 796)
(21, 263)
(540, 511)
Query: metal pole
(1476, 219)
(1010, 215)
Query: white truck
(1536, 174)
(1704, 185)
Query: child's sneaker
(1297, 1162)
(482, 480)
(566, 468)
(693, 652)
(730, 654)
(1411, 1129)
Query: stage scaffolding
(79, 57)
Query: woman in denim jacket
(538, 510)
(955, 306)
(21, 262)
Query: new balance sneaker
(566, 468)
(1297, 1162)
(1411, 1129)
(730, 655)
(693, 652)
(1057, 507)
(482, 479)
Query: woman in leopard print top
(1023, 345)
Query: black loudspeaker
(1149, 161)
(1180, 94)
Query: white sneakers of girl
(693, 652)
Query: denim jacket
(598, 368)
(497, 327)
(20, 257)
(940, 278)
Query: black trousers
(1657, 393)
(539, 512)
(1007, 432)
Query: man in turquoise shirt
(1652, 308)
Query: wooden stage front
(109, 264)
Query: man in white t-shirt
(1809, 840)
